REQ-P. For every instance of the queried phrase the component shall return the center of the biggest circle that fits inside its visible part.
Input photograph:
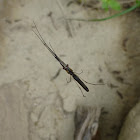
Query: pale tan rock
(131, 127)
(13, 114)
(86, 122)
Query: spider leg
(69, 80)
(80, 89)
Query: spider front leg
(68, 81)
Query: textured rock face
(13, 116)
(131, 127)
(86, 123)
